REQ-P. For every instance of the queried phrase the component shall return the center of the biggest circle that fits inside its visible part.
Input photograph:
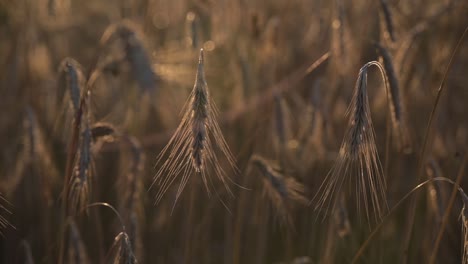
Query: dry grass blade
(358, 154)
(374, 232)
(279, 189)
(425, 145)
(191, 150)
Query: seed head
(191, 150)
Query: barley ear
(121, 251)
(280, 190)
(79, 189)
(192, 150)
(358, 154)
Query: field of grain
(233, 131)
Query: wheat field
(231, 131)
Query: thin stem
(393, 209)
(427, 135)
(112, 208)
(448, 210)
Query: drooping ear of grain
(79, 189)
(70, 87)
(359, 136)
(281, 191)
(71, 76)
(121, 251)
(358, 154)
(135, 52)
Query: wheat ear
(191, 150)
(358, 153)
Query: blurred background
(92, 91)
